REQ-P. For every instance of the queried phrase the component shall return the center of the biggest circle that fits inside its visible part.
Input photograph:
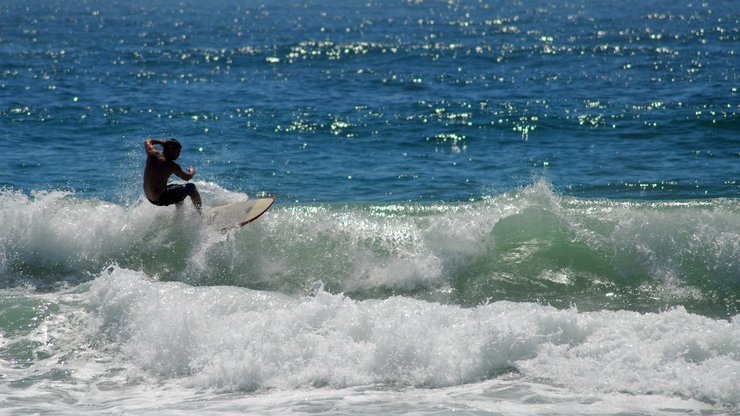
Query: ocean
(483, 207)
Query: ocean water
(483, 207)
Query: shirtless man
(159, 167)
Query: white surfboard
(238, 214)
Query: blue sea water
(483, 207)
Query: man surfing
(159, 167)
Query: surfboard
(238, 214)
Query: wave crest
(530, 244)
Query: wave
(249, 339)
(124, 328)
(530, 244)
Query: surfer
(159, 167)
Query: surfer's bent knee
(190, 189)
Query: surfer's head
(172, 149)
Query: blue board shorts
(174, 194)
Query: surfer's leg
(194, 194)
(191, 190)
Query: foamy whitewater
(483, 207)
(389, 308)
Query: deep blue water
(497, 207)
(375, 101)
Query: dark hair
(173, 144)
(172, 149)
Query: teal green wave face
(526, 245)
(22, 322)
(22, 316)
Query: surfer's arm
(149, 146)
(185, 175)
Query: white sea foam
(238, 339)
